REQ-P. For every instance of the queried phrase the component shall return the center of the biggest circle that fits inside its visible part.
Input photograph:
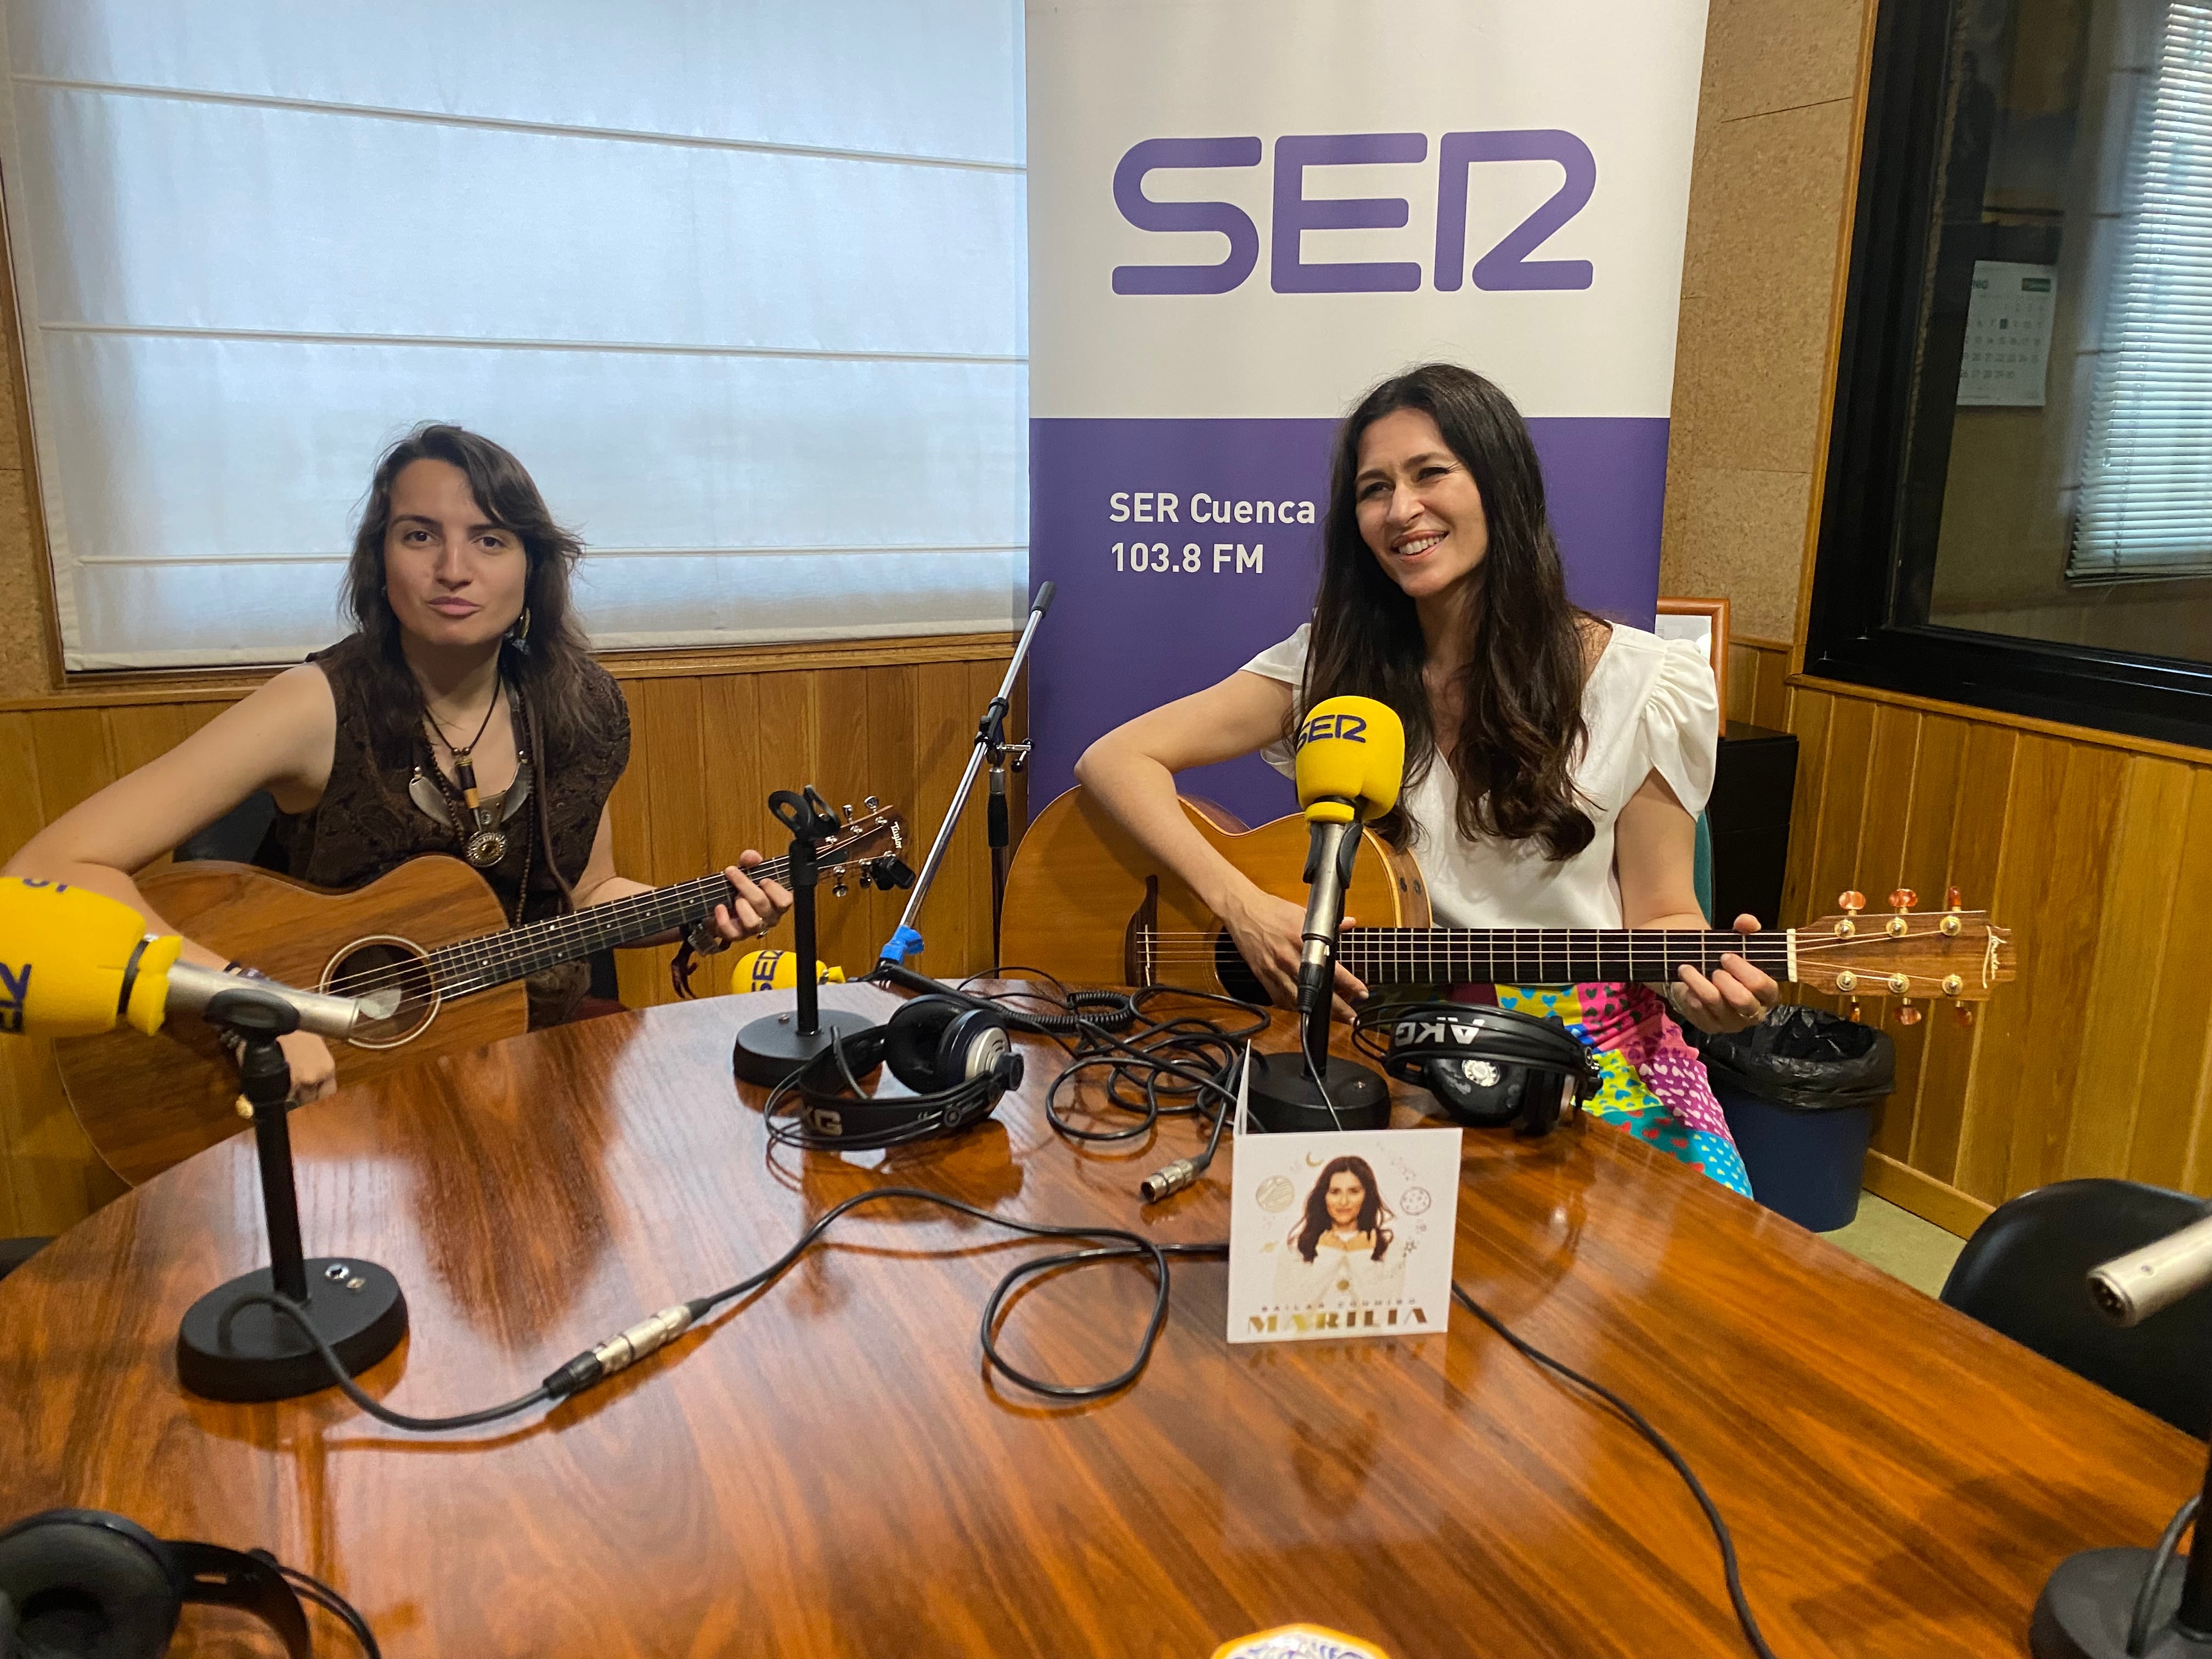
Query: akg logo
(1505, 268)
(1343, 728)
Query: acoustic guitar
(433, 928)
(1086, 904)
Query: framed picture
(1706, 622)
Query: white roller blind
(2145, 509)
(741, 283)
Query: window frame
(1874, 552)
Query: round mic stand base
(225, 1352)
(2084, 1610)
(1285, 1100)
(772, 1048)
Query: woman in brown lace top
(466, 673)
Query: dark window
(2018, 512)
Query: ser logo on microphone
(1343, 728)
(15, 995)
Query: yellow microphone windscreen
(1351, 758)
(65, 953)
(777, 970)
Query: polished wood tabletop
(830, 1470)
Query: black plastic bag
(1804, 1059)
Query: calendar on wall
(2007, 334)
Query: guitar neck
(1550, 956)
(478, 964)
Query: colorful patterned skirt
(1653, 1082)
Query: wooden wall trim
(2081, 734)
(1924, 1195)
(227, 685)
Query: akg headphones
(954, 1054)
(1486, 1067)
(85, 1584)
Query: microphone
(2129, 1289)
(74, 963)
(778, 970)
(1351, 758)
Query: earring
(519, 636)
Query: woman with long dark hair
(1337, 1255)
(466, 673)
(1555, 762)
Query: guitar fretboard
(1548, 955)
(478, 964)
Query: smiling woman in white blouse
(1555, 762)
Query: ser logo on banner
(1506, 267)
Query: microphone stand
(772, 1048)
(1314, 1091)
(2088, 1602)
(226, 1351)
(991, 745)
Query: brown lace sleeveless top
(366, 825)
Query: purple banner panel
(1183, 548)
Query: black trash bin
(1799, 1090)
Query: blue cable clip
(904, 945)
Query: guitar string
(1386, 949)
(455, 969)
(1416, 940)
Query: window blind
(2145, 505)
(742, 283)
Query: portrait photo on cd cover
(1342, 1234)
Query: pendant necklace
(488, 845)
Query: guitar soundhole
(1237, 978)
(373, 965)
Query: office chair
(2023, 1273)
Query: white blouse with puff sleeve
(1651, 706)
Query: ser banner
(1244, 212)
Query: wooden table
(829, 1471)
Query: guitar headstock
(867, 848)
(1952, 953)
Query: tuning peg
(1965, 1012)
(1908, 1015)
(1851, 901)
(1951, 924)
(848, 811)
(1903, 898)
(869, 803)
(1855, 1015)
(838, 889)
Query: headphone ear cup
(915, 1042)
(89, 1585)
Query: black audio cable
(1665, 1448)
(1178, 1065)
(594, 1366)
(310, 1587)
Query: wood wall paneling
(2097, 1060)
(894, 719)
